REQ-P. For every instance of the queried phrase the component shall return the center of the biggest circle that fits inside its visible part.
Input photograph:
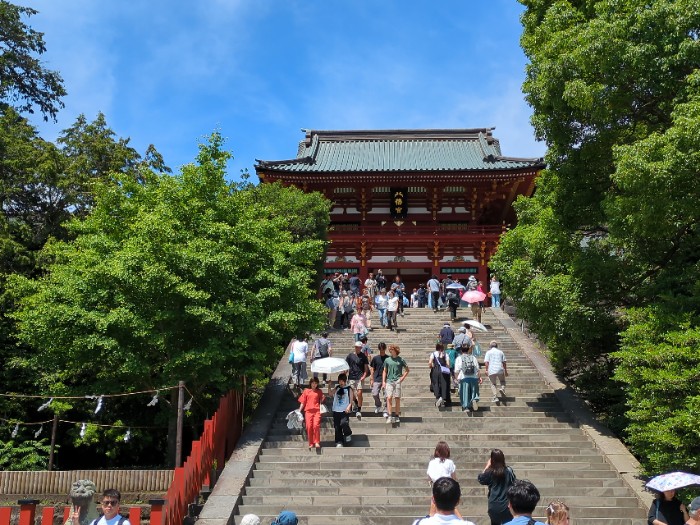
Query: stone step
(384, 509)
(364, 498)
(380, 477)
(271, 472)
(407, 520)
(460, 455)
(407, 487)
(467, 441)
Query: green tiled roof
(399, 150)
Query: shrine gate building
(410, 202)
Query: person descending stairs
(379, 477)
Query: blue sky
(169, 72)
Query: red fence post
(156, 511)
(47, 516)
(5, 515)
(27, 511)
(134, 516)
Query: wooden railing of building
(210, 451)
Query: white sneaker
(475, 405)
(348, 439)
(438, 403)
(389, 419)
(495, 399)
(339, 445)
(397, 420)
(358, 415)
(502, 390)
(386, 414)
(377, 410)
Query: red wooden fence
(216, 443)
(214, 447)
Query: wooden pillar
(157, 511)
(27, 511)
(47, 515)
(5, 515)
(134, 516)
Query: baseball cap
(358, 343)
(694, 505)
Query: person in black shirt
(376, 367)
(358, 370)
(667, 509)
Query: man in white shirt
(434, 288)
(110, 509)
(497, 370)
(446, 496)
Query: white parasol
(477, 325)
(329, 365)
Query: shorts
(356, 384)
(376, 388)
(393, 389)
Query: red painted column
(134, 516)
(27, 511)
(47, 516)
(156, 511)
(5, 515)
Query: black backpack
(468, 365)
(322, 347)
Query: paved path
(545, 433)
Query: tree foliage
(24, 82)
(613, 223)
(42, 186)
(174, 278)
(24, 454)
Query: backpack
(468, 365)
(322, 348)
(452, 297)
(365, 302)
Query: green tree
(612, 224)
(174, 278)
(41, 188)
(24, 82)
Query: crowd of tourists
(454, 369)
(351, 302)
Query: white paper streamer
(99, 404)
(154, 401)
(188, 405)
(82, 429)
(45, 405)
(127, 436)
(38, 432)
(14, 432)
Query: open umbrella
(329, 365)
(477, 325)
(672, 481)
(455, 286)
(473, 296)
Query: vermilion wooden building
(410, 202)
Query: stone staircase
(380, 478)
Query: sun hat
(694, 505)
(358, 343)
(286, 517)
(250, 519)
